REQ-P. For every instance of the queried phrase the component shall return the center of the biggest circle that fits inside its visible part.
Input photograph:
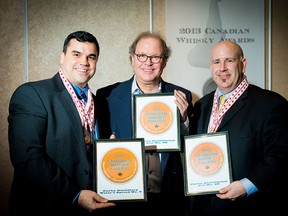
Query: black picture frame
(156, 118)
(206, 163)
(119, 169)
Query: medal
(87, 137)
(85, 111)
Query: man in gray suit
(51, 128)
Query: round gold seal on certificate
(119, 165)
(206, 158)
(156, 117)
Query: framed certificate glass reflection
(207, 166)
(156, 119)
(119, 171)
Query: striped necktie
(83, 97)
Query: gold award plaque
(156, 117)
(206, 159)
(119, 165)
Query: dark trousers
(156, 204)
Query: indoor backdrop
(33, 31)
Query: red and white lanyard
(86, 111)
(217, 115)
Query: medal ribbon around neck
(217, 115)
(86, 111)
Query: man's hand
(182, 104)
(232, 191)
(91, 201)
(113, 136)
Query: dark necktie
(83, 97)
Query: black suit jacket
(47, 149)
(257, 124)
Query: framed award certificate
(119, 171)
(156, 119)
(207, 161)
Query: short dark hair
(166, 51)
(81, 36)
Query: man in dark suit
(149, 55)
(257, 124)
(51, 126)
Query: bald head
(228, 45)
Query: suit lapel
(206, 118)
(67, 104)
(237, 106)
(124, 103)
(166, 87)
(123, 100)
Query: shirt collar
(136, 89)
(219, 93)
(78, 90)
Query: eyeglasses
(153, 59)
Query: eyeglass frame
(160, 58)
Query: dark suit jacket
(114, 111)
(47, 149)
(257, 125)
(115, 102)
